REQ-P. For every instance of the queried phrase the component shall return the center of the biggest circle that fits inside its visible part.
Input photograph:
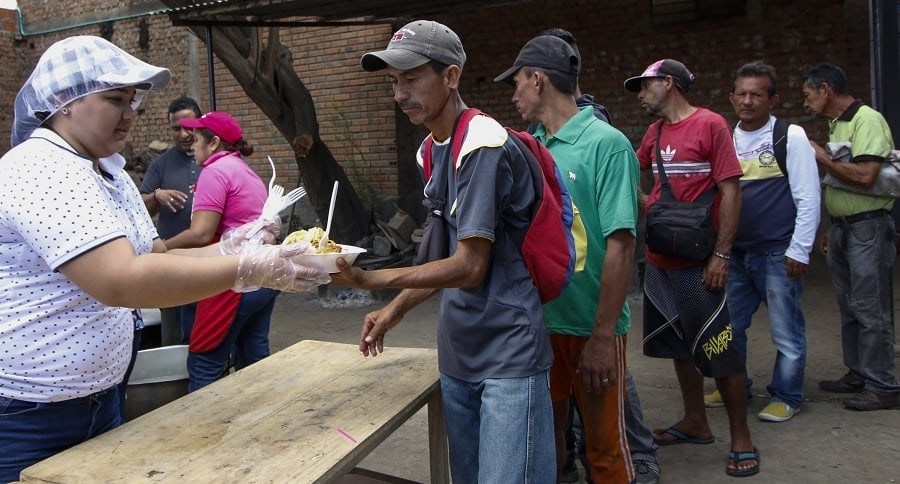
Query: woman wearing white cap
(76, 249)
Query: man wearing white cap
(685, 316)
(493, 348)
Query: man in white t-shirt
(775, 234)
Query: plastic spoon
(324, 239)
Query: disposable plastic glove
(272, 266)
(235, 240)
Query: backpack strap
(460, 126)
(458, 136)
(666, 193)
(779, 144)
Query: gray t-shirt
(172, 170)
(495, 330)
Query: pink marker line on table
(345, 434)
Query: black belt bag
(681, 229)
(676, 228)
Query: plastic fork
(273, 202)
(270, 209)
(292, 197)
(271, 180)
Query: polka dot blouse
(56, 342)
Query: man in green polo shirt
(860, 243)
(589, 321)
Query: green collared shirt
(601, 172)
(870, 136)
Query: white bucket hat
(73, 68)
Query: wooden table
(308, 413)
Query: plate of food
(326, 258)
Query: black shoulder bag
(676, 228)
(435, 243)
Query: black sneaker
(848, 383)
(646, 472)
(869, 400)
(569, 474)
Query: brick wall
(619, 41)
(353, 107)
(356, 113)
(11, 77)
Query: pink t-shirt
(229, 186)
(697, 153)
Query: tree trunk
(266, 73)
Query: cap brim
(397, 58)
(633, 84)
(507, 75)
(191, 123)
(143, 76)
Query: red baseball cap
(220, 123)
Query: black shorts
(685, 321)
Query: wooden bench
(308, 413)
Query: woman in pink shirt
(228, 194)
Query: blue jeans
(177, 324)
(500, 430)
(640, 439)
(248, 336)
(755, 277)
(861, 259)
(122, 388)
(31, 432)
(185, 315)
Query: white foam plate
(328, 262)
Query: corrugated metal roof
(318, 12)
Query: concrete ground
(824, 443)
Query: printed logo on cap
(653, 69)
(402, 34)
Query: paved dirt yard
(824, 443)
